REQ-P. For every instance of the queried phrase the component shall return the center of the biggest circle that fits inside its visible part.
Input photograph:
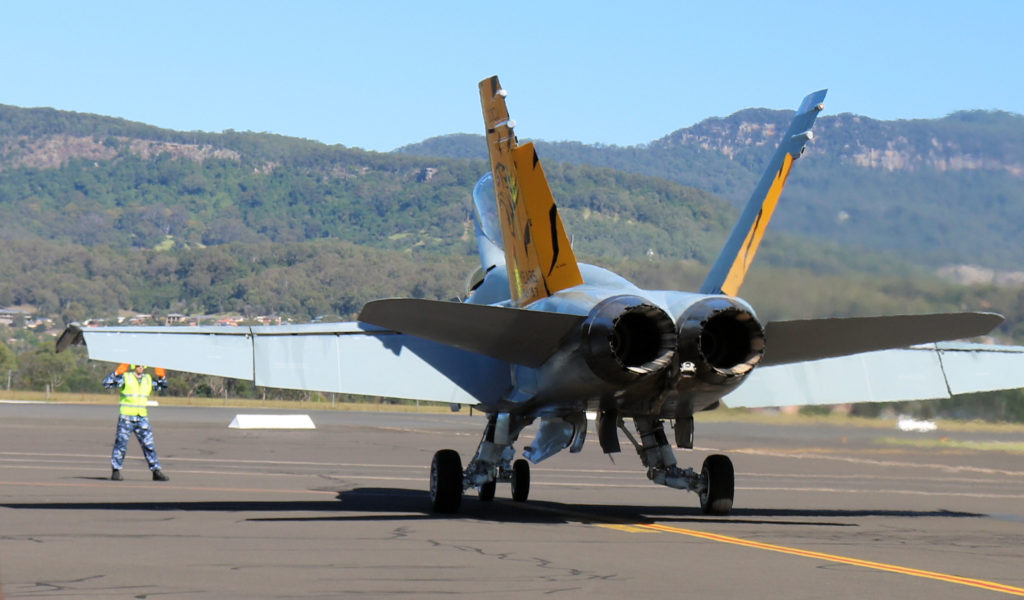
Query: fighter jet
(544, 339)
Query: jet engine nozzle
(721, 339)
(627, 337)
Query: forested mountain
(939, 191)
(94, 184)
(106, 215)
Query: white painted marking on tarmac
(272, 421)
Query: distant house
(8, 315)
(45, 322)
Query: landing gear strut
(714, 485)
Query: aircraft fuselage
(638, 352)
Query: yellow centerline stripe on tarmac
(968, 581)
(637, 527)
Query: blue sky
(378, 75)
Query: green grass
(945, 443)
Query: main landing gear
(491, 465)
(714, 485)
(447, 482)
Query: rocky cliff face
(950, 144)
(52, 151)
(965, 141)
(731, 135)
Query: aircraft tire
(720, 476)
(520, 480)
(487, 491)
(446, 481)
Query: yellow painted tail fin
(538, 256)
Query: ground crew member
(135, 385)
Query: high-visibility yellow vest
(135, 394)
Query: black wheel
(520, 480)
(720, 477)
(446, 481)
(487, 491)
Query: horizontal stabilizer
(524, 337)
(814, 339)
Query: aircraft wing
(919, 373)
(349, 358)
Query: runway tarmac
(342, 511)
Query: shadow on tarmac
(386, 504)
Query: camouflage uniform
(126, 426)
(134, 417)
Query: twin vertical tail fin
(538, 256)
(727, 274)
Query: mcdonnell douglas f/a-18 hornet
(541, 338)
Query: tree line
(299, 229)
